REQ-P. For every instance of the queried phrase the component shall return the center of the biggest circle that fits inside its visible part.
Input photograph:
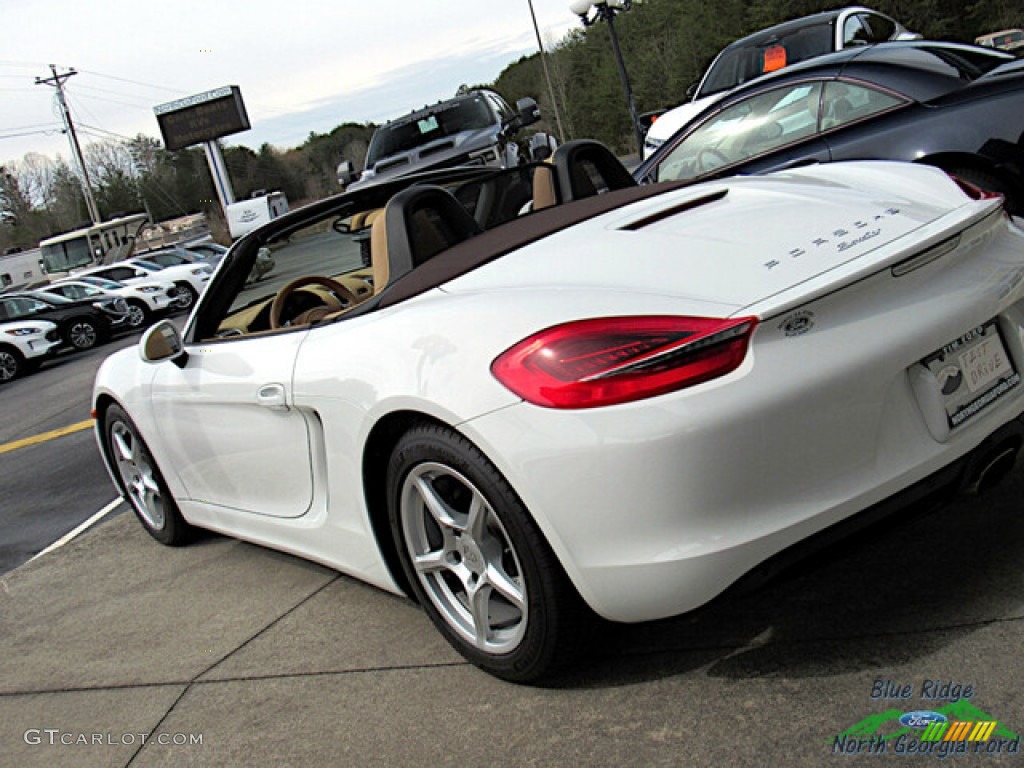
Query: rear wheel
(81, 333)
(141, 481)
(12, 364)
(476, 560)
(137, 314)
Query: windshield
(66, 255)
(148, 265)
(53, 298)
(738, 64)
(466, 114)
(102, 283)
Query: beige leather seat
(544, 193)
(416, 225)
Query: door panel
(233, 436)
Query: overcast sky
(302, 65)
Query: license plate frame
(973, 373)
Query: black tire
(141, 482)
(992, 183)
(82, 333)
(12, 363)
(138, 315)
(186, 296)
(532, 617)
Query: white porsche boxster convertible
(526, 396)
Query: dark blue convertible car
(959, 107)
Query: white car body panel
(640, 501)
(197, 275)
(155, 294)
(32, 344)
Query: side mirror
(692, 91)
(529, 112)
(346, 173)
(163, 342)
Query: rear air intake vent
(686, 205)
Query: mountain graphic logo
(885, 726)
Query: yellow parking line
(36, 439)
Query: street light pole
(606, 11)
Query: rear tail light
(604, 361)
(973, 191)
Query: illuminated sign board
(203, 117)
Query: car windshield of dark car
(449, 119)
(108, 285)
(54, 298)
(167, 259)
(739, 64)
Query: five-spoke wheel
(141, 481)
(476, 560)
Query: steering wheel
(331, 303)
(710, 152)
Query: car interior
(345, 260)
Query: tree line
(666, 44)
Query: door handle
(272, 396)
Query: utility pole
(57, 81)
(547, 75)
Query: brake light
(609, 360)
(973, 191)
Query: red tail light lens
(591, 363)
(973, 191)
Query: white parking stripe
(72, 534)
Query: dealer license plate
(973, 373)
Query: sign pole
(219, 172)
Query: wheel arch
(380, 443)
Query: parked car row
(93, 305)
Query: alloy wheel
(82, 335)
(137, 475)
(463, 558)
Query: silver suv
(474, 128)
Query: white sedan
(618, 402)
(190, 279)
(24, 345)
(144, 299)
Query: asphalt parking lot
(117, 651)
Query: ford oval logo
(921, 719)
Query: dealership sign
(203, 117)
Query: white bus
(101, 243)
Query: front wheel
(140, 480)
(476, 560)
(186, 296)
(82, 334)
(12, 364)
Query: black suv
(82, 323)
(474, 128)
